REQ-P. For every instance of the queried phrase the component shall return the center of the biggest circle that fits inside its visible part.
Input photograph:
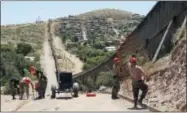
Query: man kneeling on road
(24, 87)
(138, 76)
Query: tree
(23, 48)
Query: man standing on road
(14, 86)
(116, 79)
(138, 76)
(42, 82)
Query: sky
(17, 12)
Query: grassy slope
(27, 33)
(107, 13)
(123, 27)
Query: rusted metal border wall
(152, 27)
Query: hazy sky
(15, 12)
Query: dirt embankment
(168, 88)
(66, 60)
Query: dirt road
(102, 102)
(47, 63)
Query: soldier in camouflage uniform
(14, 86)
(116, 79)
(42, 81)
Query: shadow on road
(66, 98)
(136, 108)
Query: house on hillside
(30, 58)
(110, 48)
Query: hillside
(94, 36)
(21, 46)
(87, 39)
(24, 33)
(106, 13)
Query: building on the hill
(110, 48)
(30, 58)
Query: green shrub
(104, 78)
(86, 66)
(24, 48)
(6, 47)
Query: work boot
(39, 97)
(13, 98)
(115, 97)
(112, 97)
(135, 105)
(141, 104)
(43, 95)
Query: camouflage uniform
(42, 80)
(14, 87)
(116, 82)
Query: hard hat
(133, 60)
(116, 60)
(32, 70)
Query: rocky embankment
(167, 85)
(168, 91)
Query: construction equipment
(65, 84)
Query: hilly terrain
(20, 47)
(79, 43)
(94, 36)
(106, 13)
